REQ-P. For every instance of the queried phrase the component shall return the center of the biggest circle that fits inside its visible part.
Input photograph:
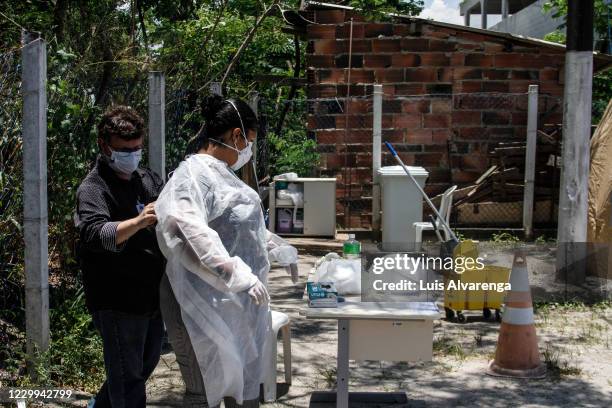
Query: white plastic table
(389, 331)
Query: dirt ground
(575, 342)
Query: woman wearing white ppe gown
(211, 230)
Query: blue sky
(448, 11)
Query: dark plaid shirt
(122, 277)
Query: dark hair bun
(211, 105)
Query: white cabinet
(402, 206)
(319, 209)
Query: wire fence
(475, 141)
(11, 185)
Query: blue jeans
(132, 346)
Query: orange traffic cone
(517, 353)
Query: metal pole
(249, 173)
(504, 9)
(35, 219)
(573, 194)
(466, 18)
(530, 160)
(483, 14)
(342, 364)
(157, 123)
(376, 157)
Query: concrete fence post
(35, 217)
(376, 157)
(530, 160)
(216, 88)
(574, 188)
(157, 123)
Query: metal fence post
(157, 123)
(376, 157)
(35, 217)
(254, 104)
(530, 160)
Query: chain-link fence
(476, 141)
(11, 185)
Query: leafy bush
(74, 358)
(293, 153)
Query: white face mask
(124, 162)
(245, 154)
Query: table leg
(342, 394)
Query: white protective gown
(211, 230)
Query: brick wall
(449, 95)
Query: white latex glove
(259, 293)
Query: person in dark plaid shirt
(121, 262)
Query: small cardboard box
(322, 294)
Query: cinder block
(377, 61)
(436, 120)
(319, 61)
(495, 86)
(378, 29)
(321, 31)
(478, 60)
(435, 59)
(329, 16)
(325, 46)
(405, 60)
(389, 75)
(496, 118)
(442, 45)
(420, 75)
(409, 89)
(495, 74)
(407, 121)
(416, 106)
(466, 118)
(414, 44)
(385, 45)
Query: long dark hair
(219, 117)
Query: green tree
(99, 53)
(602, 82)
(378, 8)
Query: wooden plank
(486, 174)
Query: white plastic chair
(445, 209)
(280, 321)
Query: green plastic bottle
(351, 248)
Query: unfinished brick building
(450, 93)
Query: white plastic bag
(345, 273)
(282, 253)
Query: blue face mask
(124, 162)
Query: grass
(478, 339)
(329, 376)
(592, 333)
(445, 345)
(543, 239)
(570, 306)
(74, 358)
(557, 365)
(505, 238)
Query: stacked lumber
(496, 197)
